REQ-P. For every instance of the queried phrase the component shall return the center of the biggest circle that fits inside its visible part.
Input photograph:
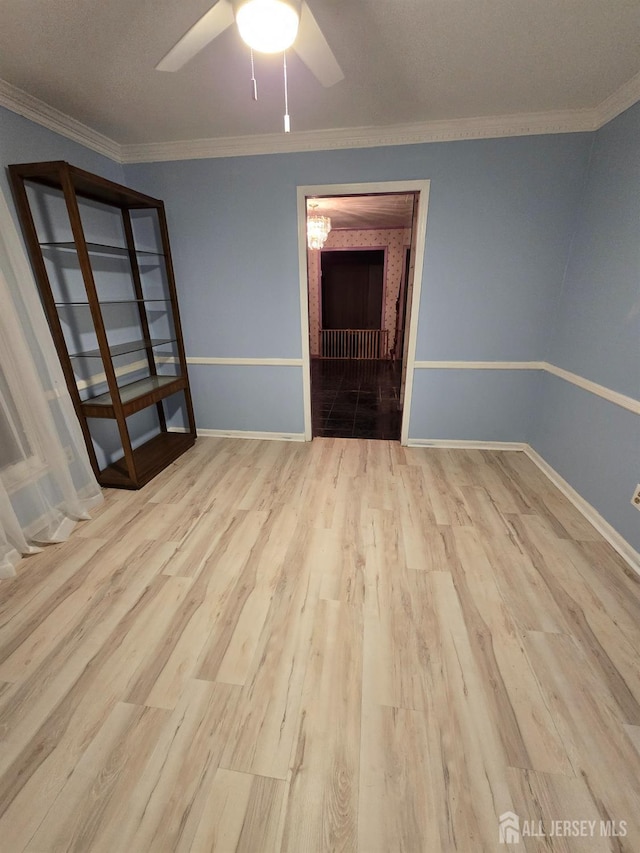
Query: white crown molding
(26, 105)
(449, 130)
(486, 127)
(626, 96)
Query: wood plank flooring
(338, 646)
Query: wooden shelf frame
(137, 465)
(150, 458)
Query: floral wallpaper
(395, 240)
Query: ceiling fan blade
(209, 27)
(313, 49)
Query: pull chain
(254, 85)
(287, 121)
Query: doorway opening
(351, 291)
(359, 297)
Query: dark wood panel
(143, 401)
(149, 459)
(352, 287)
(85, 184)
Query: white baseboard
(241, 433)
(453, 444)
(615, 539)
(618, 542)
(262, 436)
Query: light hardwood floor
(339, 646)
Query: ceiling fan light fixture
(268, 26)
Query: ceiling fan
(267, 26)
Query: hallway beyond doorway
(359, 213)
(356, 398)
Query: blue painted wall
(595, 446)
(23, 141)
(495, 404)
(597, 329)
(216, 398)
(531, 254)
(592, 443)
(499, 226)
(500, 215)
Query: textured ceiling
(404, 61)
(389, 210)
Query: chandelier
(318, 228)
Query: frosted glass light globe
(268, 26)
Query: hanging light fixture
(318, 228)
(269, 26)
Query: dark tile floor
(355, 399)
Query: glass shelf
(101, 249)
(122, 349)
(126, 264)
(132, 390)
(113, 302)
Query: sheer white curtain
(46, 480)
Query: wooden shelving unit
(119, 337)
